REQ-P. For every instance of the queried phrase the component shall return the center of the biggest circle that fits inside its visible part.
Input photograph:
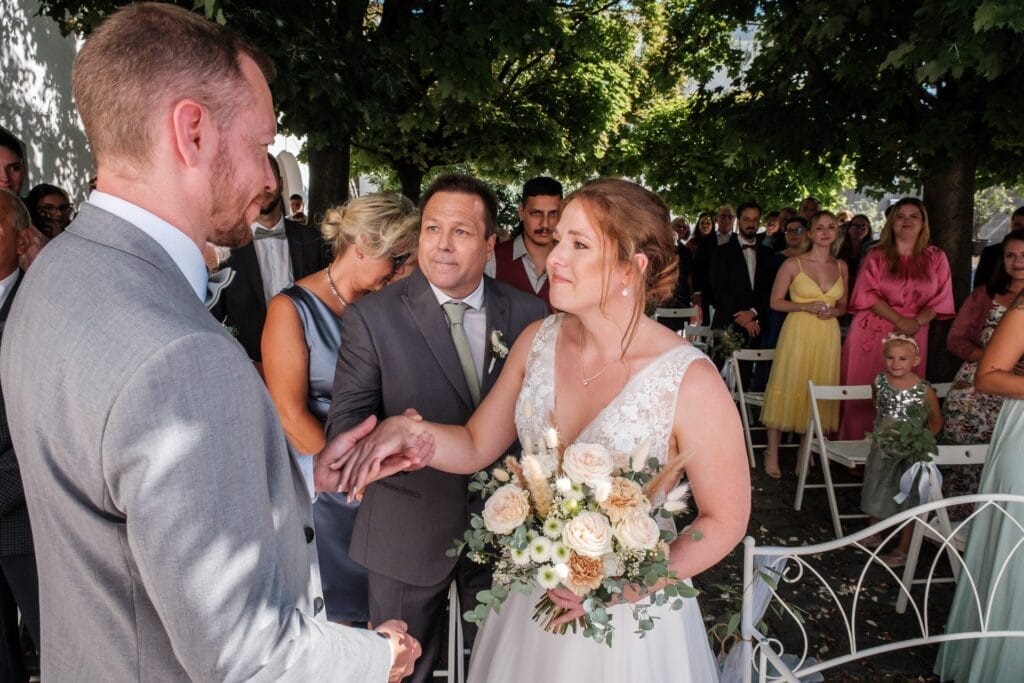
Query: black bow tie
(748, 246)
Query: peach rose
(638, 531)
(589, 533)
(587, 463)
(506, 509)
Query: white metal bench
(800, 570)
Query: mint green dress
(992, 539)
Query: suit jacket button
(318, 606)
(309, 534)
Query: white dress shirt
(750, 256)
(475, 323)
(275, 261)
(6, 284)
(179, 246)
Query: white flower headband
(902, 339)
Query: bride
(599, 372)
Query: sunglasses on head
(399, 260)
(796, 231)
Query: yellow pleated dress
(808, 349)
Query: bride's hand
(394, 446)
(572, 604)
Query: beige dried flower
(537, 484)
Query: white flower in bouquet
(675, 501)
(506, 509)
(540, 549)
(613, 565)
(520, 556)
(553, 527)
(563, 485)
(547, 577)
(625, 498)
(562, 568)
(638, 531)
(560, 553)
(589, 534)
(551, 438)
(602, 489)
(500, 474)
(638, 461)
(587, 463)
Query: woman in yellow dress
(808, 346)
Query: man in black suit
(703, 294)
(19, 583)
(742, 274)
(281, 252)
(991, 255)
(400, 349)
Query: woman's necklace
(583, 375)
(334, 290)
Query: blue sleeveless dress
(344, 581)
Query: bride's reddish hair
(636, 221)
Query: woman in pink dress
(903, 284)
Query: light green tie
(456, 311)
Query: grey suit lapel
(499, 314)
(429, 318)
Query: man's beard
(227, 229)
(271, 205)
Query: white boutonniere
(498, 349)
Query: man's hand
(405, 649)
(395, 446)
(325, 478)
(744, 318)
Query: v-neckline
(815, 282)
(593, 420)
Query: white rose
(506, 509)
(587, 463)
(613, 566)
(588, 534)
(638, 531)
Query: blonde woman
(371, 238)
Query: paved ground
(774, 522)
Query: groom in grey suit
(173, 528)
(399, 351)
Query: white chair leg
(454, 672)
(833, 504)
(805, 464)
(913, 554)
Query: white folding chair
(684, 313)
(939, 528)
(846, 453)
(699, 336)
(454, 672)
(748, 398)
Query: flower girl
(899, 395)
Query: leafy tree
(513, 88)
(916, 93)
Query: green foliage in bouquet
(905, 442)
(582, 519)
(725, 342)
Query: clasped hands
(363, 454)
(821, 309)
(748, 321)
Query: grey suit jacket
(397, 353)
(173, 528)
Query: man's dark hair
(296, 196)
(12, 143)
(1018, 212)
(796, 219)
(458, 182)
(748, 205)
(770, 215)
(541, 186)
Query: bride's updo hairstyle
(635, 221)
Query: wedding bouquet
(581, 518)
(909, 447)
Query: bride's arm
(457, 449)
(708, 427)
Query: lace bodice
(644, 409)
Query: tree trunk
(328, 179)
(949, 196)
(411, 178)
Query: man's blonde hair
(146, 55)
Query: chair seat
(846, 453)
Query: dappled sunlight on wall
(35, 98)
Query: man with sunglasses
(281, 252)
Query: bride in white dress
(604, 373)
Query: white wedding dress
(511, 647)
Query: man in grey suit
(173, 527)
(425, 343)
